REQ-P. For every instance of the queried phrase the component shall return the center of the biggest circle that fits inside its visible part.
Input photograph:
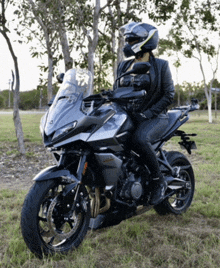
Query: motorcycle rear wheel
(182, 199)
(48, 223)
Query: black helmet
(145, 35)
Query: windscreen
(75, 81)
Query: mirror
(60, 78)
(141, 68)
(138, 68)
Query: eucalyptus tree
(5, 31)
(195, 32)
(50, 33)
(121, 12)
(40, 32)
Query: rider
(151, 113)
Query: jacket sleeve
(167, 91)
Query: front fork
(94, 193)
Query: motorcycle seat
(174, 115)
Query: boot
(158, 191)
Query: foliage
(2, 102)
(195, 33)
(76, 18)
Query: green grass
(149, 240)
(30, 124)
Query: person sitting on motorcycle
(151, 113)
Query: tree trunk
(210, 109)
(93, 41)
(68, 61)
(50, 77)
(16, 116)
(48, 39)
(208, 94)
(17, 123)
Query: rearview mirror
(60, 78)
(138, 68)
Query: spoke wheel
(181, 200)
(51, 223)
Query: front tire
(49, 224)
(182, 199)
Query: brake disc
(60, 234)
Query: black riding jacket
(160, 92)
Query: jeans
(146, 133)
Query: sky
(30, 73)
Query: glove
(141, 117)
(106, 92)
(142, 81)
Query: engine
(132, 188)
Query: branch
(37, 17)
(107, 4)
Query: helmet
(145, 35)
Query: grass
(30, 124)
(148, 240)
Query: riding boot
(159, 186)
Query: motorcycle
(99, 180)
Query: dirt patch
(17, 172)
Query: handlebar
(128, 96)
(190, 108)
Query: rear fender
(54, 172)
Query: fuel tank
(115, 132)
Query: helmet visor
(134, 29)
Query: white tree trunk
(209, 102)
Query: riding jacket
(160, 92)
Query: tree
(16, 116)
(33, 11)
(195, 32)
(58, 10)
(81, 20)
(121, 12)
(51, 35)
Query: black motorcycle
(99, 179)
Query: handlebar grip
(134, 95)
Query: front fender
(54, 172)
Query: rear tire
(47, 223)
(182, 199)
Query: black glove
(106, 92)
(141, 117)
(142, 81)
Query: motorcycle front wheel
(54, 223)
(182, 199)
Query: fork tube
(80, 168)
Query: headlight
(65, 129)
